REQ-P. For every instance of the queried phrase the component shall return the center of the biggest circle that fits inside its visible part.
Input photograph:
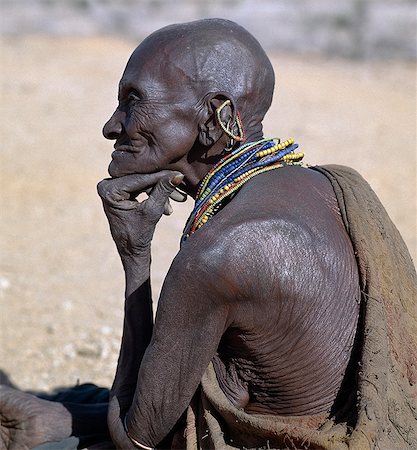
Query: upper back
(279, 259)
(281, 233)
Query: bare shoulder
(282, 224)
(273, 212)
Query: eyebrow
(125, 87)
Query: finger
(155, 204)
(168, 208)
(137, 183)
(178, 196)
(113, 414)
(111, 192)
(116, 427)
(126, 188)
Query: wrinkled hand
(27, 421)
(132, 223)
(115, 423)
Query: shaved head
(214, 55)
(181, 88)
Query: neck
(200, 161)
(233, 171)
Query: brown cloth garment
(385, 399)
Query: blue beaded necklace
(233, 171)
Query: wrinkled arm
(191, 319)
(132, 225)
(137, 332)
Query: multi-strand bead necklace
(233, 171)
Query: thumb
(116, 427)
(159, 195)
(113, 415)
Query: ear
(209, 128)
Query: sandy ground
(61, 283)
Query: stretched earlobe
(205, 135)
(238, 138)
(209, 132)
(219, 118)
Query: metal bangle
(134, 441)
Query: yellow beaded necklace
(233, 171)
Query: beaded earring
(226, 129)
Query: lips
(123, 148)
(122, 151)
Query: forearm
(172, 369)
(138, 321)
(137, 272)
(161, 398)
(132, 225)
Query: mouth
(123, 148)
(122, 151)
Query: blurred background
(352, 28)
(345, 91)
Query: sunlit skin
(267, 290)
(164, 109)
(153, 126)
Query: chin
(114, 171)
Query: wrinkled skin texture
(132, 225)
(267, 290)
(279, 323)
(25, 420)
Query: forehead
(155, 70)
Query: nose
(113, 128)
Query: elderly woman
(256, 340)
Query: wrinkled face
(155, 123)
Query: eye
(134, 96)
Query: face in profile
(166, 113)
(154, 125)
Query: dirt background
(61, 283)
